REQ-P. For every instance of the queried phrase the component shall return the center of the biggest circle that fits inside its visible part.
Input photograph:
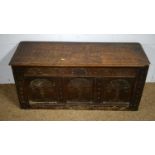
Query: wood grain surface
(79, 54)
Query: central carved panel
(79, 90)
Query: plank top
(80, 54)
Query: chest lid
(66, 54)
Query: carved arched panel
(79, 90)
(117, 90)
(42, 90)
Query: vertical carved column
(60, 89)
(98, 90)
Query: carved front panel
(78, 90)
(41, 90)
(117, 89)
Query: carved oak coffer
(67, 75)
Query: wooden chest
(67, 75)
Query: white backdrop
(9, 42)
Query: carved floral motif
(116, 87)
(41, 89)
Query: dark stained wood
(79, 54)
(57, 75)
